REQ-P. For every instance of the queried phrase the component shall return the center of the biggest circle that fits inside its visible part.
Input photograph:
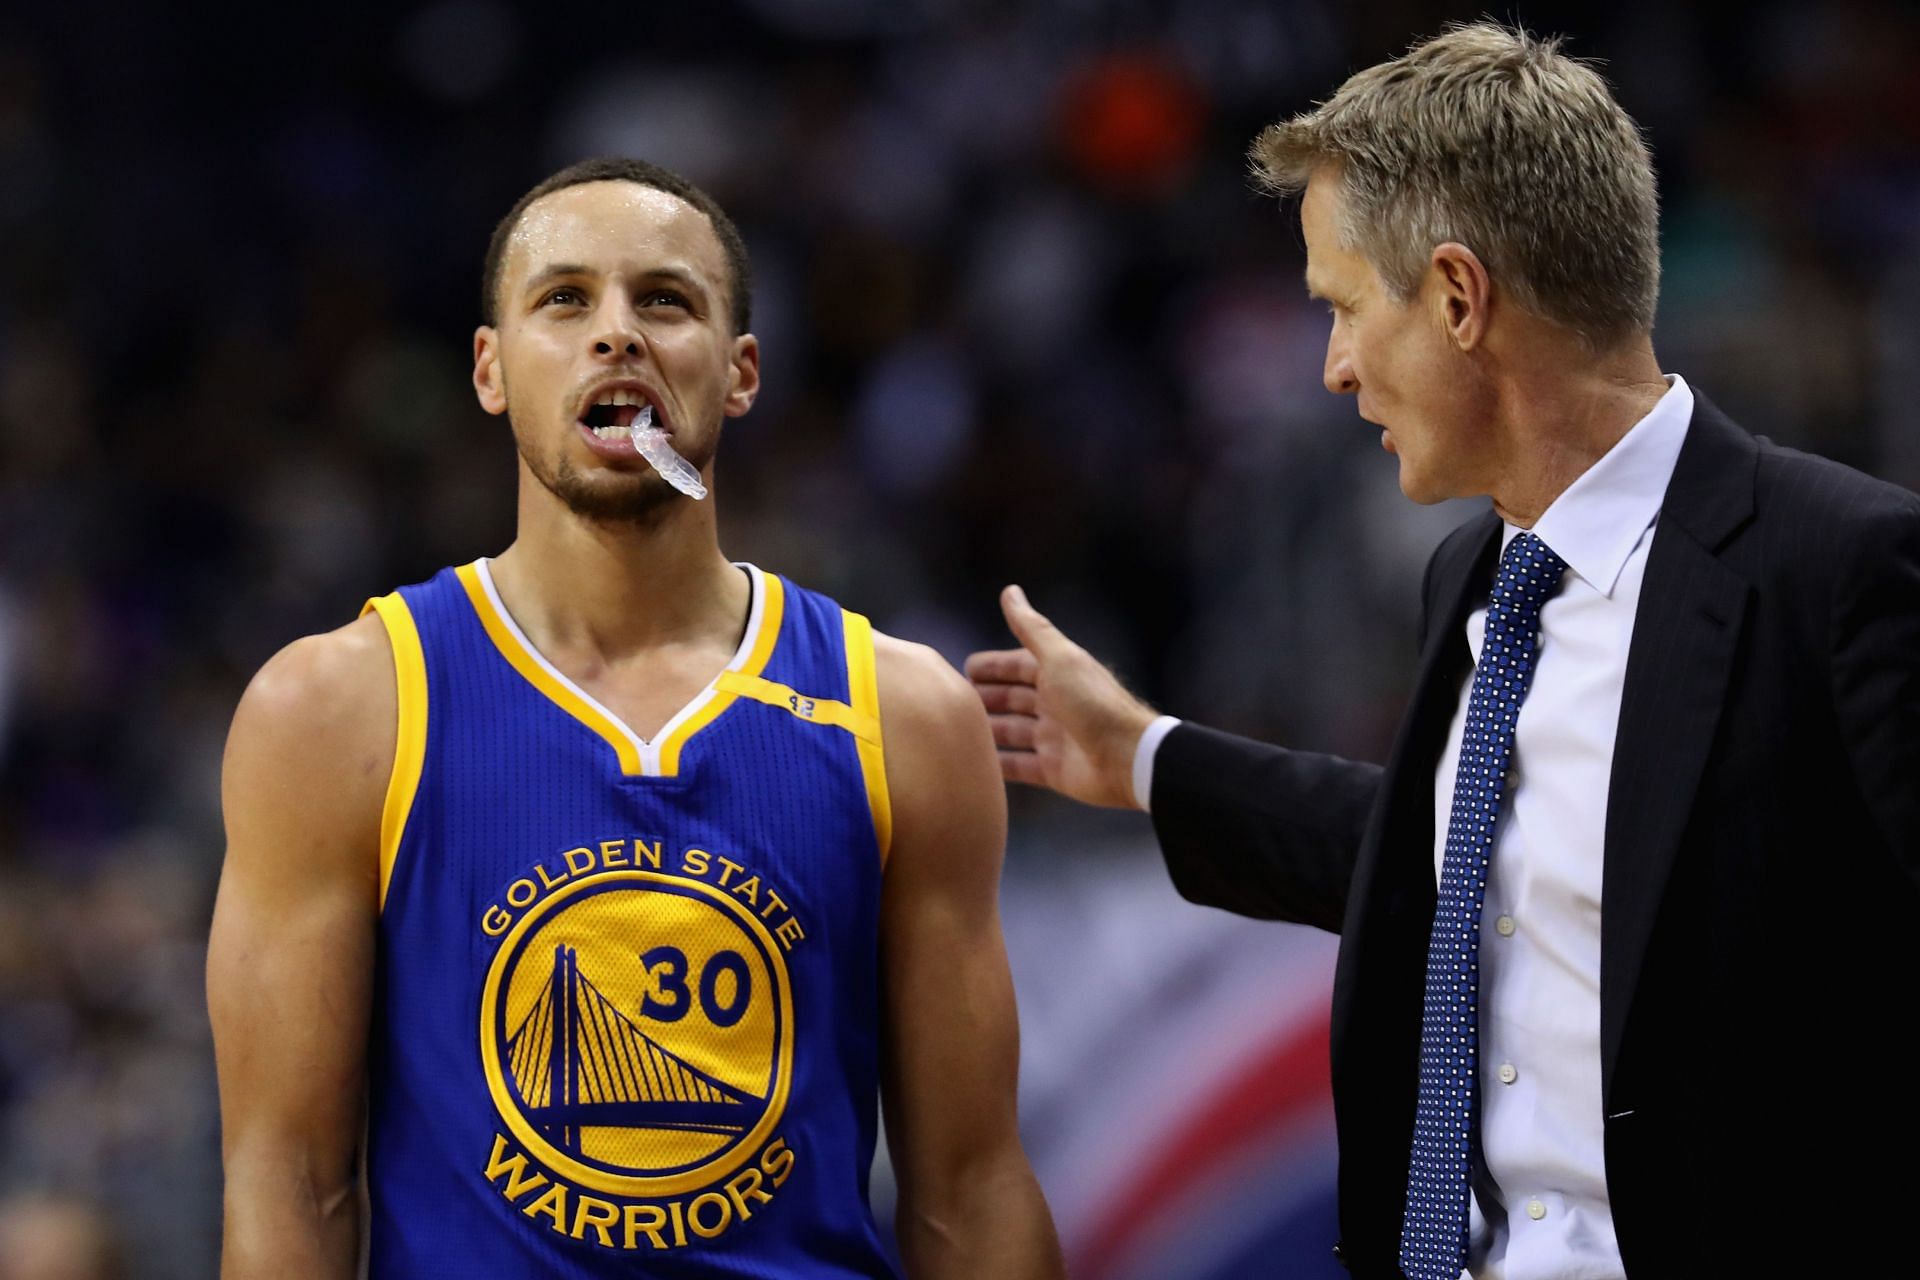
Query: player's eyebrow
(677, 275)
(573, 271)
(557, 271)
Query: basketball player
(590, 894)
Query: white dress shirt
(1540, 1210)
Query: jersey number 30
(667, 967)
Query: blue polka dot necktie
(1433, 1238)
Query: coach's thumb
(1030, 627)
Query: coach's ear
(1462, 293)
(487, 383)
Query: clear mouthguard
(651, 443)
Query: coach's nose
(1338, 372)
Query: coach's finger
(1002, 666)
(1022, 767)
(1020, 699)
(1031, 627)
(1013, 732)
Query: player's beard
(637, 495)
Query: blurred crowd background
(1024, 319)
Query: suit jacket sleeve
(1271, 833)
(1876, 674)
(1257, 829)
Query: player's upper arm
(951, 1025)
(943, 777)
(290, 959)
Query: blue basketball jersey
(626, 1013)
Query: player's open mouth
(613, 412)
(625, 421)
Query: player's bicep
(290, 957)
(952, 1029)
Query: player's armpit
(290, 959)
(969, 1203)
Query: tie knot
(1529, 573)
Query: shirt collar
(1595, 525)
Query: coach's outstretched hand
(1060, 719)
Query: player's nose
(616, 333)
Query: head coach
(1630, 918)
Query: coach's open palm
(1060, 719)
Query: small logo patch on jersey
(637, 1036)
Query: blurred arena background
(1024, 320)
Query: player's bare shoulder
(924, 698)
(941, 767)
(312, 742)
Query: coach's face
(613, 294)
(1400, 360)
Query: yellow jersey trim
(568, 699)
(410, 741)
(637, 756)
(773, 606)
(863, 686)
(814, 710)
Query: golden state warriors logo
(637, 1037)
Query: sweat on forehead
(608, 226)
(607, 208)
(646, 182)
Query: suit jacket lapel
(1461, 580)
(1381, 975)
(1390, 913)
(1687, 624)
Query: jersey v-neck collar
(638, 756)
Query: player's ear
(487, 382)
(743, 383)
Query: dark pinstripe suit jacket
(1760, 937)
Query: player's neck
(615, 589)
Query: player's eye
(564, 296)
(666, 297)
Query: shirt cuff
(1143, 759)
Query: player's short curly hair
(621, 169)
(1491, 138)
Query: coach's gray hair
(1491, 138)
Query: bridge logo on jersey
(637, 1034)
